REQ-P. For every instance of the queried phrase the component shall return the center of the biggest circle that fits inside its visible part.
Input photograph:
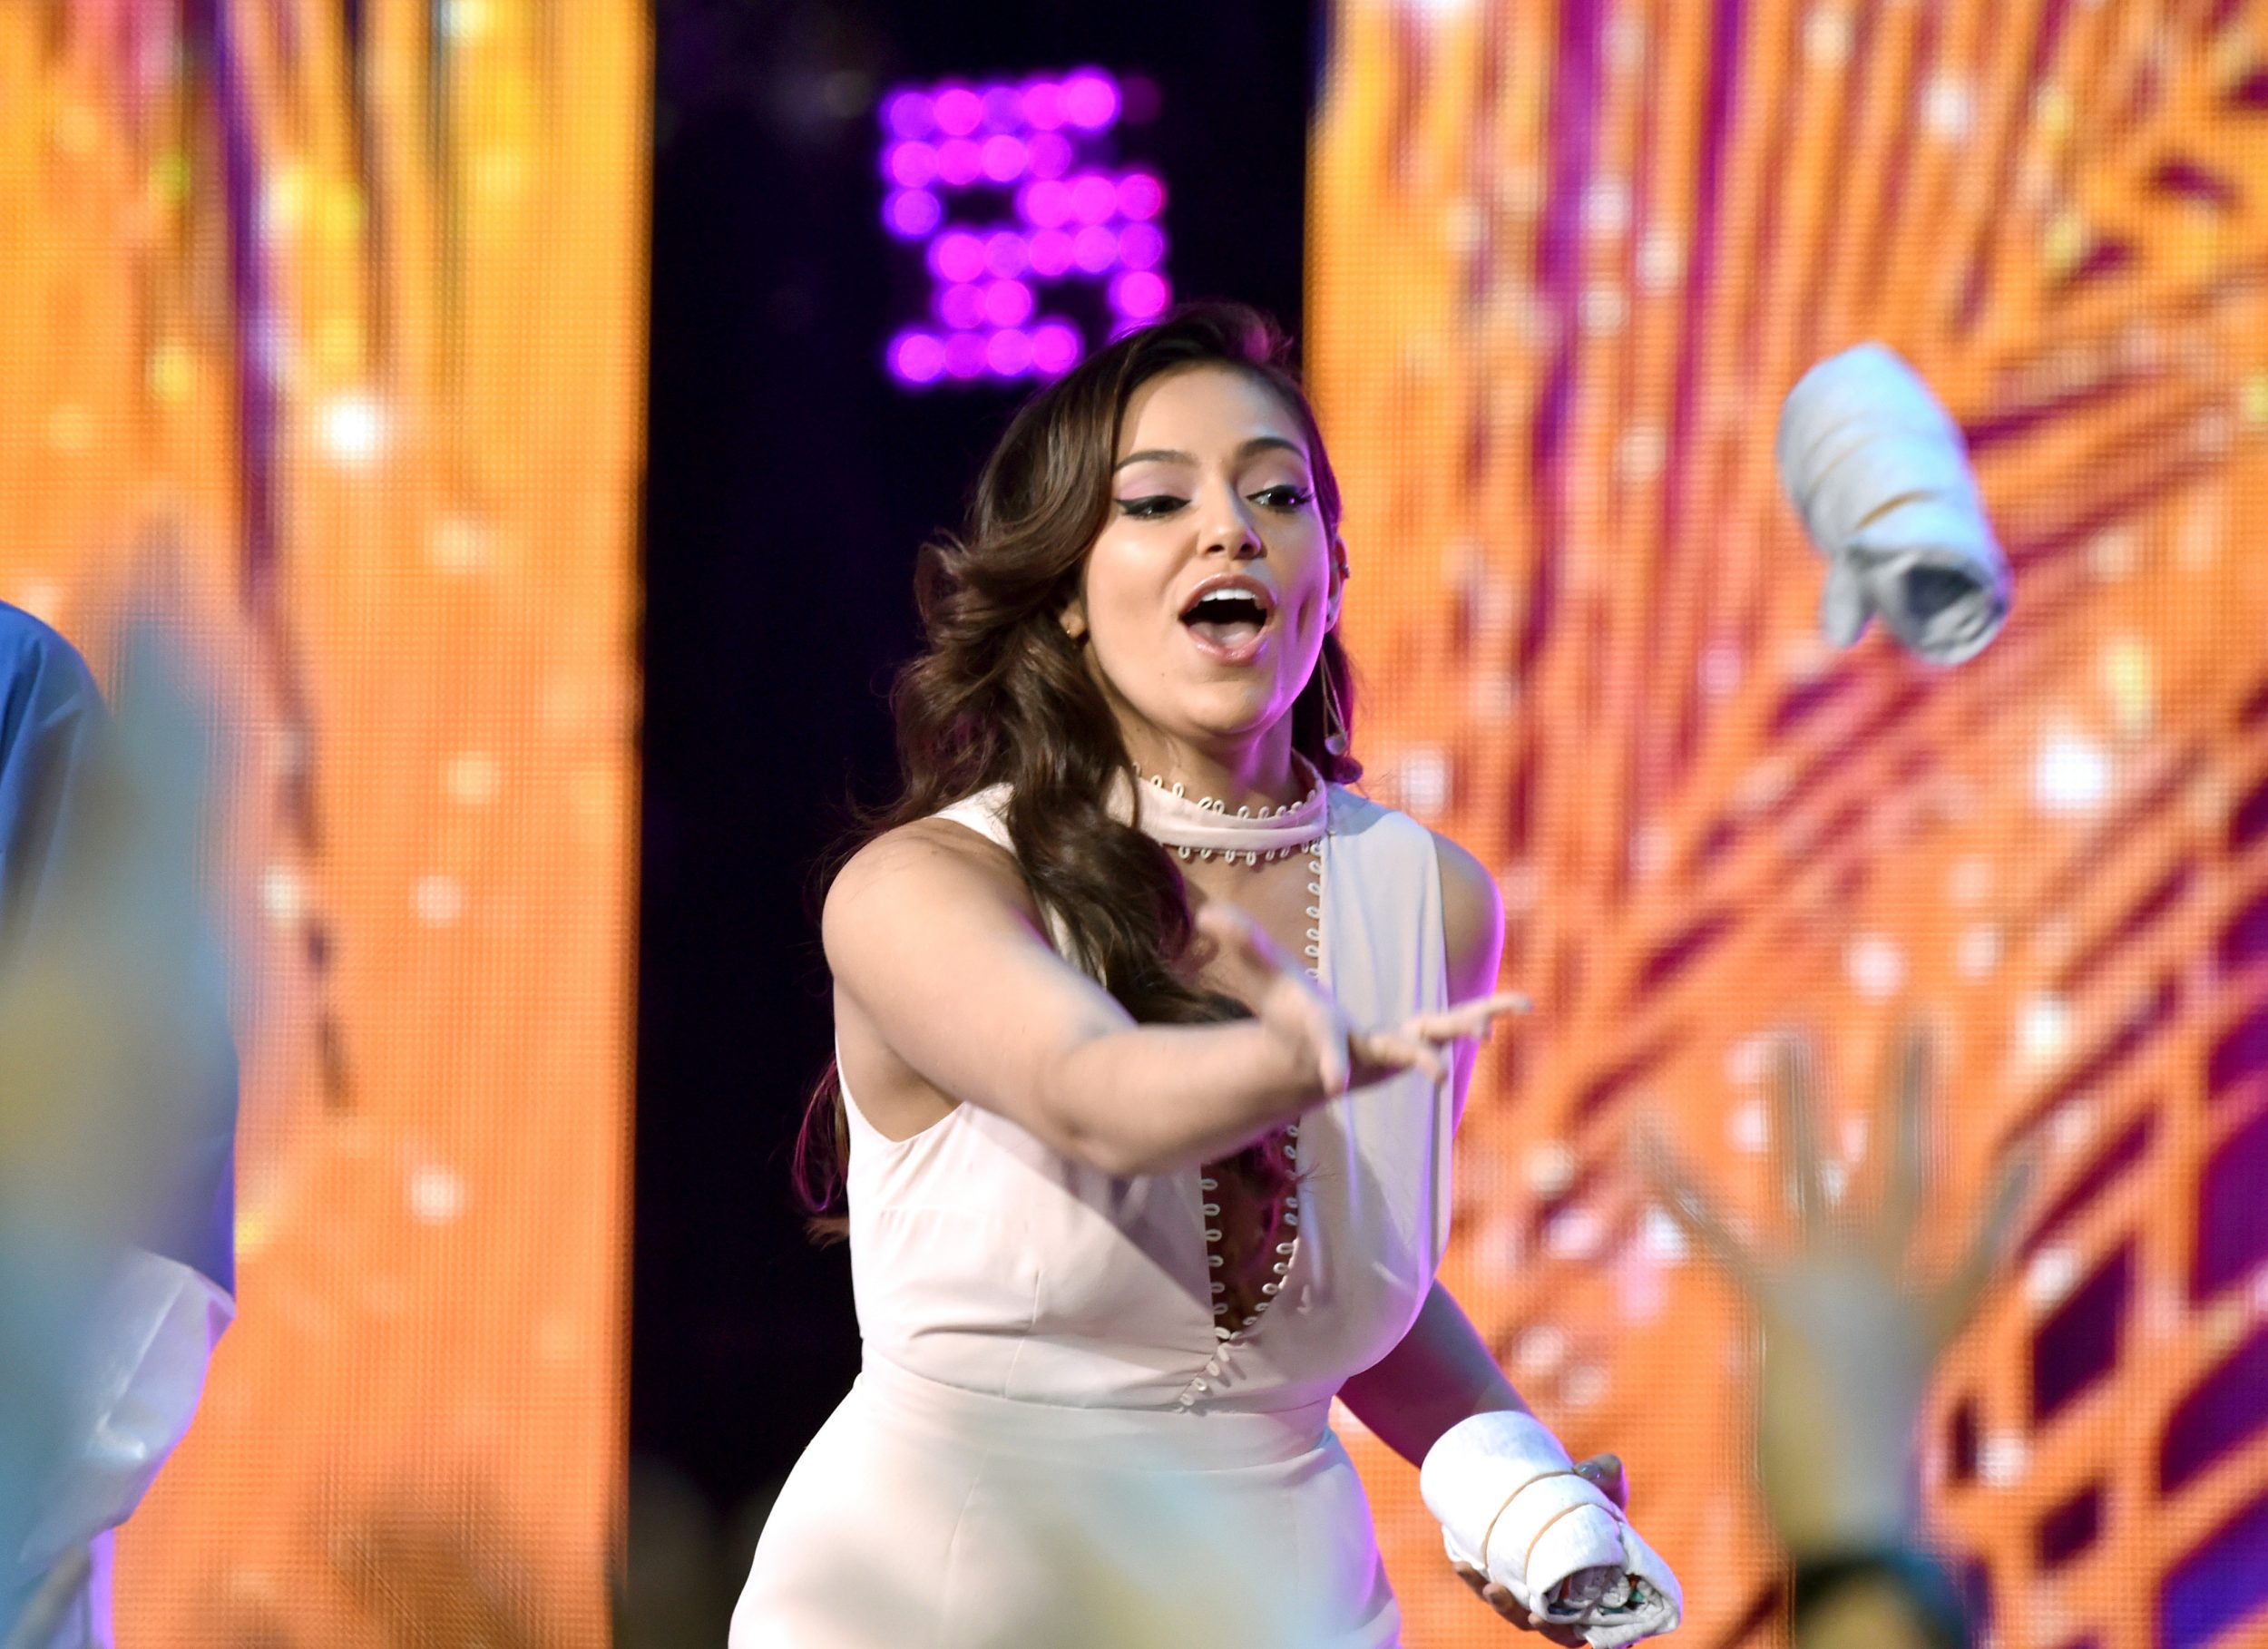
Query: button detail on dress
(1227, 1339)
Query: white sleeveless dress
(1047, 1444)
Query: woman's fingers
(1500, 1599)
(1424, 1043)
(1467, 1021)
(1605, 1471)
(1391, 1051)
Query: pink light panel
(1044, 208)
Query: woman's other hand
(1605, 1471)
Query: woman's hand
(1301, 1016)
(1605, 1471)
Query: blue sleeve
(53, 730)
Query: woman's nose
(1231, 531)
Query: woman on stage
(1152, 1039)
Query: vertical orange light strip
(415, 1428)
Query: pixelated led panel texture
(333, 314)
(1566, 261)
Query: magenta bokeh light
(1044, 204)
(1050, 155)
(964, 355)
(1141, 247)
(1094, 249)
(1012, 190)
(1140, 196)
(918, 357)
(1007, 253)
(1138, 295)
(1091, 100)
(1009, 353)
(1055, 348)
(960, 162)
(1094, 197)
(956, 255)
(910, 165)
(1008, 303)
(912, 213)
(910, 114)
(959, 110)
(1050, 252)
(961, 307)
(1003, 159)
(1042, 106)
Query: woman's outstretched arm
(945, 977)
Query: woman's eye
(1286, 497)
(1151, 507)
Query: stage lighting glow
(912, 213)
(957, 256)
(1095, 249)
(959, 163)
(1071, 221)
(354, 429)
(2073, 775)
(1091, 100)
(1007, 303)
(1045, 203)
(910, 114)
(1055, 346)
(1140, 196)
(917, 357)
(1002, 158)
(1094, 199)
(1004, 108)
(1140, 246)
(1007, 254)
(1042, 106)
(1008, 354)
(961, 307)
(959, 110)
(1050, 155)
(910, 165)
(964, 355)
(1138, 295)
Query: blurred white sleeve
(145, 1369)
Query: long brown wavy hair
(1000, 694)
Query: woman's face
(1205, 599)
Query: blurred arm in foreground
(1849, 1344)
(118, 1089)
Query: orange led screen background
(328, 320)
(1565, 260)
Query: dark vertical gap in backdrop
(788, 483)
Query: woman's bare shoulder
(1472, 919)
(919, 872)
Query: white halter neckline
(1204, 828)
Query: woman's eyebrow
(1258, 443)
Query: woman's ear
(1074, 619)
(1340, 572)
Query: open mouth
(1229, 616)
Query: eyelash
(1159, 505)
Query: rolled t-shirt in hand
(1512, 1506)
